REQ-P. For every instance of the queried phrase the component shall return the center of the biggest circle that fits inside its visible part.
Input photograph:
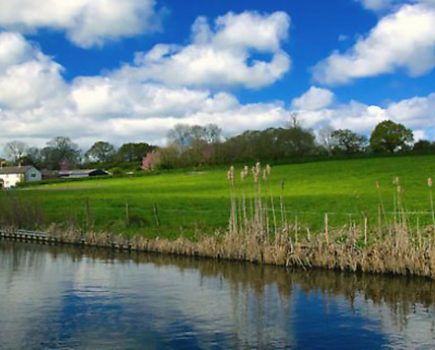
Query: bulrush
(256, 235)
(230, 175)
(244, 173)
(256, 170)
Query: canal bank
(393, 255)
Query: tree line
(194, 146)
(188, 146)
(61, 153)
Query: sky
(128, 71)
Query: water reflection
(53, 297)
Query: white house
(11, 176)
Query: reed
(261, 231)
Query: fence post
(127, 214)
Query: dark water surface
(59, 297)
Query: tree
(423, 146)
(346, 141)
(101, 151)
(213, 134)
(389, 136)
(134, 152)
(325, 139)
(15, 151)
(180, 136)
(61, 152)
(34, 157)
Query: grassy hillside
(165, 205)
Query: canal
(72, 298)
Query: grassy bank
(371, 215)
(188, 203)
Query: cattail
(230, 175)
(268, 170)
(244, 173)
(256, 173)
(264, 175)
(258, 167)
(429, 182)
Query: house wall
(33, 175)
(11, 180)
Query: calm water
(53, 297)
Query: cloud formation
(417, 113)
(87, 23)
(27, 76)
(37, 103)
(314, 99)
(222, 55)
(402, 40)
(383, 5)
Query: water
(58, 297)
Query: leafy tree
(101, 151)
(270, 144)
(34, 157)
(423, 146)
(346, 141)
(389, 136)
(15, 151)
(133, 152)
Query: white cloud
(417, 113)
(404, 39)
(114, 109)
(314, 99)
(86, 22)
(382, 5)
(36, 104)
(27, 76)
(219, 56)
(378, 5)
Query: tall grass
(21, 213)
(261, 230)
(394, 246)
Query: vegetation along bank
(372, 215)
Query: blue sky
(129, 71)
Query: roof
(80, 172)
(15, 169)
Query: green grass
(199, 201)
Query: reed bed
(260, 231)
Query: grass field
(173, 203)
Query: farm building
(79, 173)
(11, 176)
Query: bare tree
(180, 136)
(15, 151)
(325, 138)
